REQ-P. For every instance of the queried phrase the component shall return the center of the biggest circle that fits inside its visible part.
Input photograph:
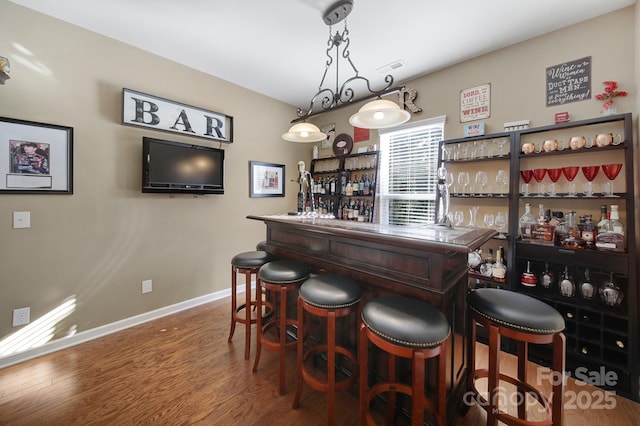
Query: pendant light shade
(304, 132)
(379, 114)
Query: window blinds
(408, 180)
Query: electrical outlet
(147, 286)
(21, 316)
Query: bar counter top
(426, 236)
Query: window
(408, 180)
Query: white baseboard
(103, 330)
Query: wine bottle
(367, 185)
(355, 186)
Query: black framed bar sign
(141, 109)
(35, 158)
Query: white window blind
(408, 180)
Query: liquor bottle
(526, 220)
(339, 211)
(332, 186)
(367, 185)
(612, 239)
(367, 212)
(602, 225)
(355, 186)
(542, 217)
(486, 268)
(343, 185)
(356, 211)
(566, 284)
(349, 189)
(499, 269)
(547, 277)
(588, 232)
(361, 213)
(300, 199)
(528, 278)
(361, 185)
(572, 239)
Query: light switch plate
(21, 220)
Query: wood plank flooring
(180, 370)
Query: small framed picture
(266, 179)
(35, 158)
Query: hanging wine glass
(481, 179)
(570, 172)
(610, 293)
(611, 172)
(463, 180)
(501, 223)
(502, 179)
(526, 175)
(538, 175)
(590, 173)
(566, 283)
(586, 286)
(554, 175)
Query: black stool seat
(516, 311)
(331, 291)
(406, 321)
(252, 259)
(283, 272)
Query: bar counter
(420, 261)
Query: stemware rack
(598, 336)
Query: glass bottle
(528, 278)
(486, 268)
(526, 220)
(572, 239)
(586, 287)
(566, 284)
(367, 185)
(604, 218)
(499, 269)
(349, 189)
(588, 232)
(547, 278)
(355, 186)
(612, 239)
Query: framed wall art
(266, 179)
(35, 158)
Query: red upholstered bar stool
(408, 328)
(278, 279)
(526, 320)
(330, 297)
(247, 263)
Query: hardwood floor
(180, 370)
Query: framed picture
(266, 179)
(35, 158)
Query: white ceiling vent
(393, 66)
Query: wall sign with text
(140, 109)
(475, 103)
(569, 82)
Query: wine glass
(590, 173)
(489, 219)
(501, 223)
(473, 212)
(463, 179)
(502, 179)
(500, 142)
(481, 179)
(554, 175)
(611, 172)
(570, 172)
(526, 175)
(538, 175)
(458, 217)
(481, 150)
(446, 149)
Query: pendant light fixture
(376, 114)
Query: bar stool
(247, 263)
(408, 328)
(262, 245)
(330, 297)
(526, 320)
(277, 278)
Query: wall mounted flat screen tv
(174, 167)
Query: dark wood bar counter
(421, 261)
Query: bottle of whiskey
(612, 239)
(526, 220)
(499, 269)
(602, 224)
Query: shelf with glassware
(345, 186)
(478, 179)
(570, 254)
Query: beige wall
(101, 242)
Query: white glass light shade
(304, 132)
(379, 114)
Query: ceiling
(277, 47)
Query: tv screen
(174, 167)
